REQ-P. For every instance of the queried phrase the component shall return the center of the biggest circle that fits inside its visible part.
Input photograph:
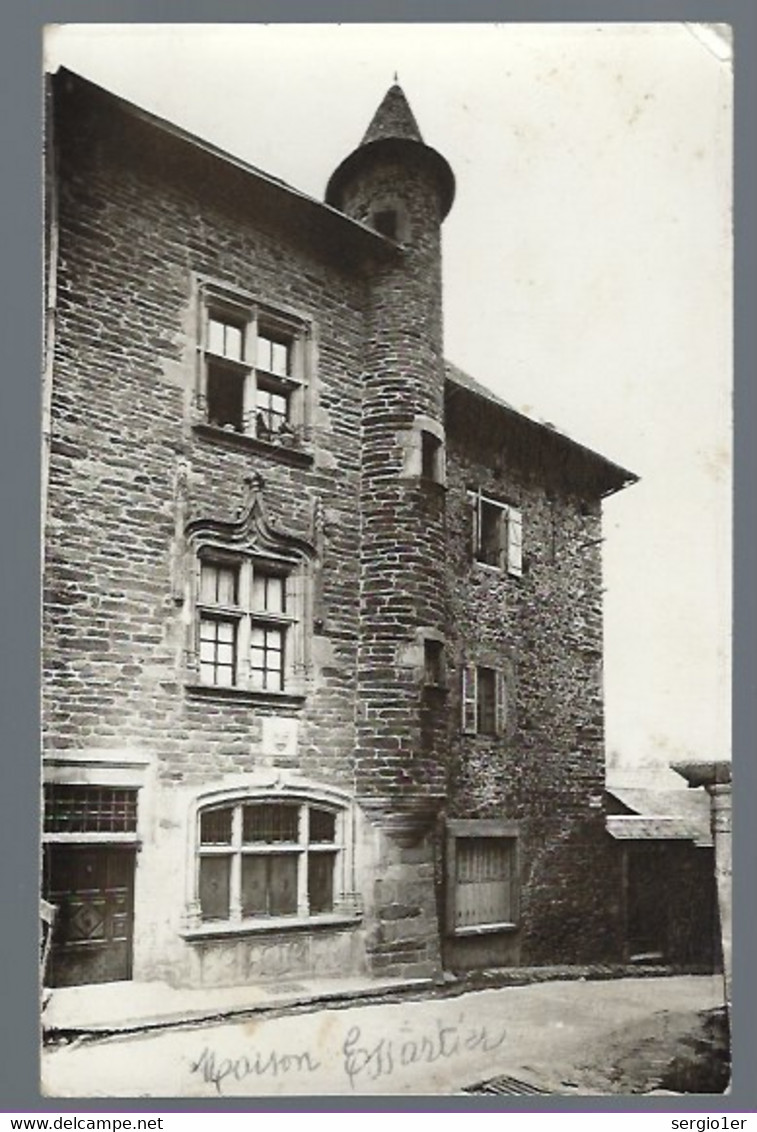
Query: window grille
(89, 809)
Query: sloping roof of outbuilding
(654, 815)
(612, 476)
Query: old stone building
(323, 630)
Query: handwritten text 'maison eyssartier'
(360, 1059)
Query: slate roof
(616, 476)
(654, 815)
(393, 119)
(393, 125)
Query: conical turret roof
(393, 132)
(393, 119)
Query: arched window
(266, 859)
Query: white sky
(587, 271)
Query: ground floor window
(260, 859)
(482, 876)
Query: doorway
(93, 889)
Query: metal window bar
(89, 809)
(215, 826)
(270, 822)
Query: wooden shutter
(500, 685)
(514, 542)
(483, 882)
(474, 502)
(470, 698)
(503, 539)
(298, 370)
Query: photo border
(20, 449)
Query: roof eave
(368, 239)
(617, 476)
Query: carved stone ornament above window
(252, 587)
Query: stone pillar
(715, 776)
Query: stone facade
(358, 512)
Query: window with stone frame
(497, 533)
(481, 876)
(433, 662)
(432, 457)
(424, 456)
(268, 859)
(248, 622)
(484, 700)
(254, 372)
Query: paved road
(432, 1046)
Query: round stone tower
(401, 187)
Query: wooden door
(93, 888)
(647, 908)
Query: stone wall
(139, 223)
(142, 220)
(544, 629)
(132, 242)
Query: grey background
(20, 319)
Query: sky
(587, 273)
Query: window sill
(298, 457)
(209, 693)
(492, 568)
(225, 929)
(485, 929)
(489, 736)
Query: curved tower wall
(400, 773)
(402, 587)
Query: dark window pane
(270, 822)
(490, 534)
(214, 887)
(385, 222)
(322, 825)
(487, 701)
(432, 660)
(215, 826)
(282, 880)
(321, 882)
(225, 393)
(254, 886)
(430, 456)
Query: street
(546, 1034)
